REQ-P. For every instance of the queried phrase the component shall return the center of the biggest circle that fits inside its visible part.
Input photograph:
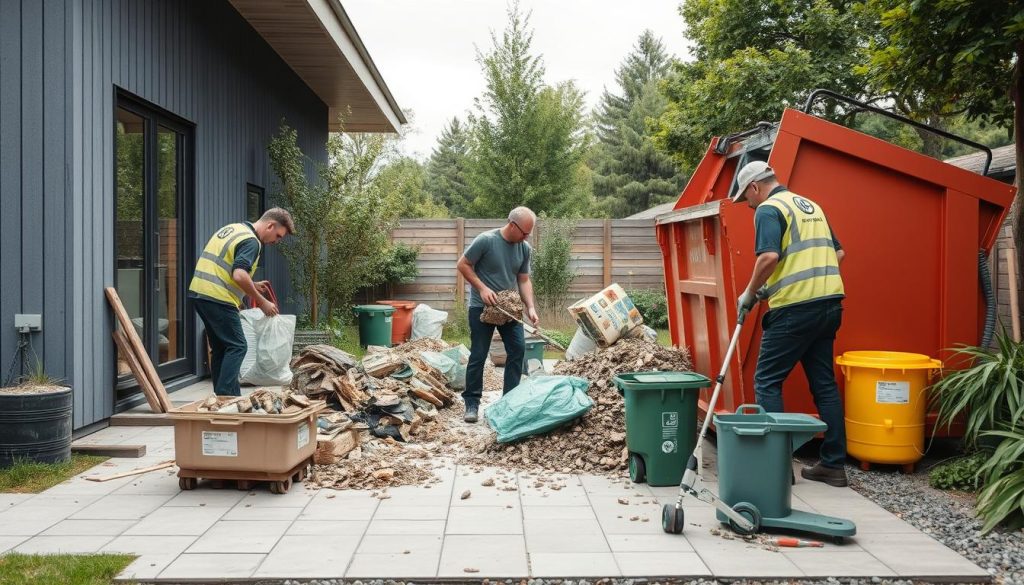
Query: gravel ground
(945, 517)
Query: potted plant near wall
(35, 419)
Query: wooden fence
(604, 251)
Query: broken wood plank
(135, 343)
(141, 470)
(126, 419)
(127, 451)
(334, 450)
(140, 375)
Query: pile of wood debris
(262, 401)
(596, 442)
(383, 405)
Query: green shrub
(653, 306)
(1001, 501)
(551, 266)
(560, 337)
(958, 474)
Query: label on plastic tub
(303, 434)
(218, 444)
(669, 430)
(892, 392)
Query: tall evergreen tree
(630, 175)
(529, 139)
(446, 170)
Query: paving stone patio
(429, 532)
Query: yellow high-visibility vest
(212, 278)
(808, 267)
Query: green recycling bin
(374, 324)
(661, 423)
(755, 457)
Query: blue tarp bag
(538, 405)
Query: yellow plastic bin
(886, 403)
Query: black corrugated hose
(990, 298)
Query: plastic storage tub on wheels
(401, 323)
(755, 466)
(374, 324)
(886, 403)
(661, 423)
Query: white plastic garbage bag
(580, 345)
(270, 348)
(427, 322)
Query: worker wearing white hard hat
(797, 272)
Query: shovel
(530, 328)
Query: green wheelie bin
(374, 324)
(661, 423)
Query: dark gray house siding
(62, 64)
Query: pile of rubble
(596, 442)
(385, 411)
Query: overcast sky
(426, 49)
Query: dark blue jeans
(806, 334)
(227, 345)
(480, 341)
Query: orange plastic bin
(912, 227)
(401, 321)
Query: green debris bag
(538, 405)
(460, 355)
(445, 364)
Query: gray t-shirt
(497, 262)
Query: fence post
(460, 247)
(607, 256)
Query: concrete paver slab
(654, 542)
(242, 536)
(559, 512)
(325, 556)
(735, 558)
(179, 520)
(411, 513)
(44, 545)
(484, 520)
(829, 562)
(327, 527)
(393, 566)
(121, 507)
(29, 520)
(417, 544)
(9, 542)
(212, 566)
(917, 555)
(424, 527)
(564, 536)
(155, 553)
(661, 564)
(89, 527)
(243, 511)
(574, 564)
(495, 555)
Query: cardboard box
(607, 316)
(268, 443)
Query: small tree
(309, 205)
(551, 266)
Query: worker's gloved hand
(746, 301)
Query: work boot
(472, 414)
(831, 475)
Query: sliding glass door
(153, 180)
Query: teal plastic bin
(374, 324)
(661, 423)
(755, 457)
(534, 351)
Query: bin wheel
(302, 474)
(838, 540)
(245, 484)
(637, 469)
(751, 513)
(281, 487)
(672, 519)
(187, 483)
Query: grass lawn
(32, 478)
(19, 569)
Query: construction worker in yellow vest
(797, 271)
(222, 277)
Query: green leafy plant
(457, 325)
(959, 474)
(551, 266)
(1001, 501)
(653, 306)
(397, 266)
(561, 337)
(988, 392)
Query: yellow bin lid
(888, 360)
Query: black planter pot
(35, 427)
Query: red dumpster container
(912, 227)
(401, 323)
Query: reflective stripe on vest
(808, 267)
(213, 278)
